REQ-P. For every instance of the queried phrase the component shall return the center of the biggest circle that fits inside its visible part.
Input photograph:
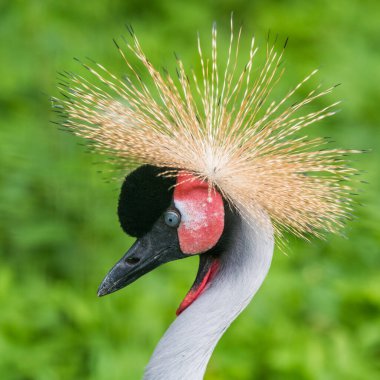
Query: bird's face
(172, 218)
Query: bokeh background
(317, 315)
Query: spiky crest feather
(220, 127)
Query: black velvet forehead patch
(144, 197)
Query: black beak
(159, 246)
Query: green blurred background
(317, 315)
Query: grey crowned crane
(214, 168)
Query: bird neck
(185, 349)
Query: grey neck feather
(185, 349)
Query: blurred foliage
(317, 315)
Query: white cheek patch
(193, 217)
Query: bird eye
(172, 218)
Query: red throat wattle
(199, 287)
(202, 224)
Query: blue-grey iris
(172, 218)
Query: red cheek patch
(202, 214)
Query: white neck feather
(185, 349)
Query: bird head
(233, 141)
(172, 218)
